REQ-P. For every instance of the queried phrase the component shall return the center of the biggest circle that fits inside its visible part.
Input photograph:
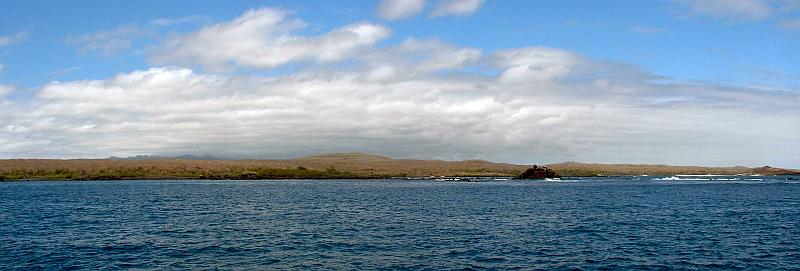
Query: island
(330, 166)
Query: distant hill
(336, 165)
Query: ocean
(672, 223)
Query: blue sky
(721, 55)
(661, 36)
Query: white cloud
(264, 38)
(5, 90)
(790, 24)
(414, 58)
(111, 42)
(733, 10)
(15, 38)
(535, 64)
(456, 7)
(397, 9)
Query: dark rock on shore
(538, 173)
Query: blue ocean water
(596, 223)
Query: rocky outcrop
(538, 173)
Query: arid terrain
(340, 165)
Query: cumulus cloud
(734, 10)
(111, 42)
(397, 9)
(264, 38)
(456, 7)
(15, 38)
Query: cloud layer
(15, 38)
(543, 103)
(5, 90)
(111, 42)
(731, 9)
(399, 9)
(457, 7)
(745, 10)
(791, 24)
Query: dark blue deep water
(373, 224)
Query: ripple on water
(345, 224)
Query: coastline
(331, 166)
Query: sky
(682, 82)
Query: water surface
(609, 223)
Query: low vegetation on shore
(330, 166)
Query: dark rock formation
(537, 173)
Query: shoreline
(336, 166)
(433, 179)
